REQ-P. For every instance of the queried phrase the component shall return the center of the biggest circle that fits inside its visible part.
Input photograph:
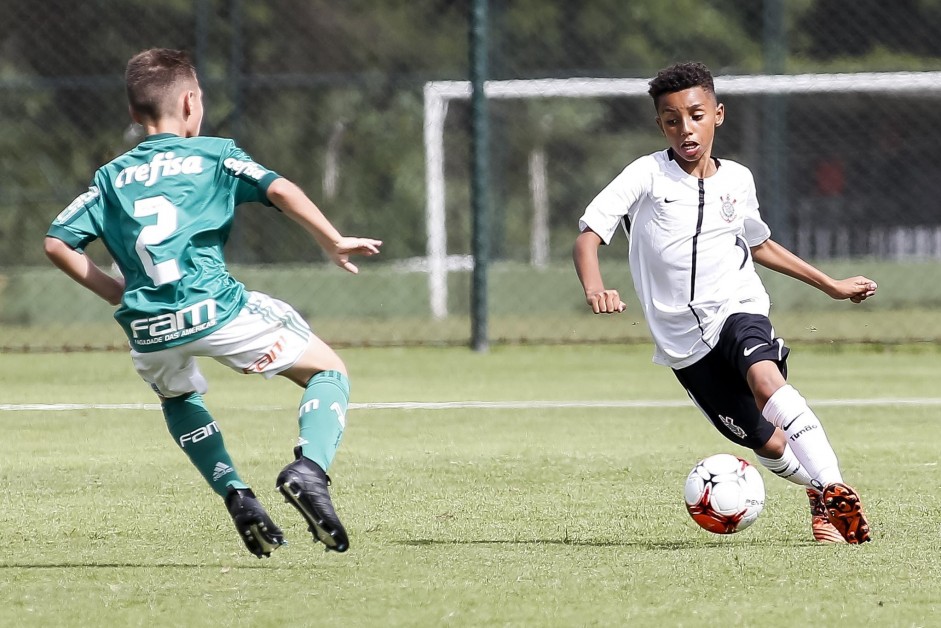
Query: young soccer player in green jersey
(164, 210)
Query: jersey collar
(672, 157)
(159, 136)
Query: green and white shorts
(266, 337)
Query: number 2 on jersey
(160, 272)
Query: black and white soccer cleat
(304, 485)
(258, 531)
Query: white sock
(788, 410)
(787, 467)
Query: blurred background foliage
(330, 94)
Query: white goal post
(437, 95)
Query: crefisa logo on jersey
(162, 165)
(248, 168)
(728, 207)
(78, 203)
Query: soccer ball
(724, 494)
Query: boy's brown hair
(153, 79)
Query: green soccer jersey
(164, 211)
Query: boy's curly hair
(680, 76)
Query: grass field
(547, 515)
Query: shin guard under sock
(322, 416)
(198, 435)
(788, 410)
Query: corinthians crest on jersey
(728, 207)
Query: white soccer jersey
(689, 242)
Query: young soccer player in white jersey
(164, 210)
(694, 233)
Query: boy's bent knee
(764, 379)
(317, 358)
(775, 446)
(301, 374)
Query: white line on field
(458, 405)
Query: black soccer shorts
(717, 383)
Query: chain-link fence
(332, 95)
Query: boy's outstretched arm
(290, 199)
(772, 255)
(585, 256)
(79, 267)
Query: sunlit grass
(465, 517)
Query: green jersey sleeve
(249, 180)
(79, 223)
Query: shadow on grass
(640, 544)
(89, 565)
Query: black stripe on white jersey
(740, 243)
(692, 283)
(626, 224)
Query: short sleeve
(605, 212)
(756, 230)
(78, 224)
(249, 179)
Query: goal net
(851, 110)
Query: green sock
(322, 416)
(198, 435)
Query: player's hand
(344, 247)
(606, 302)
(856, 289)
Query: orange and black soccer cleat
(845, 512)
(824, 531)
